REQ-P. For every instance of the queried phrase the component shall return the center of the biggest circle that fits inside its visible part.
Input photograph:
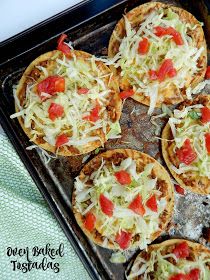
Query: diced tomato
(179, 276)
(176, 36)
(61, 39)
(179, 189)
(137, 206)
(186, 154)
(153, 74)
(172, 73)
(123, 239)
(63, 47)
(55, 111)
(207, 76)
(61, 140)
(205, 111)
(51, 85)
(126, 93)
(152, 203)
(143, 46)
(160, 31)
(82, 90)
(94, 114)
(89, 222)
(207, 140)
(107, 206)
(123, 177)
(165, 69)
(181, 250)
(194, 274)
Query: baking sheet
(191, 213)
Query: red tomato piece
(153, 74)
(107, 206)
(55, 111)
(205, 111)
(137, 206)
(126, 93)
(176, 36)
(82, 90)
(186, 154)
(123, 239)
(61, 39)
(61, 140)
(172, 73)
(63, 47)
(160, 31)
(165, 69)
(207, 140)
(181, 250)
(194, 274)
(152, 203)
(51, 85)
(94, 114)
(89, 222)
(143, 46)
(123, 177)
(179, 276)
(179, 189)
(207, 76)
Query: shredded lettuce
(197, 89)
(115, 131)
(104, 181)
(118, 257)
(44, 154)
(186, 124)
(158, 266)
(135, 67)
(77, 74)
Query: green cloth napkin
(26, 221)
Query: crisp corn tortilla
(189, 180)
(167, 246)
(171, 94)
(32, 73)
(116, 156)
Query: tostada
(186, 144)
(67, 102)
(123, 199)
(158, 51)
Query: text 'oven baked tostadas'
(158, 50)
(68, 102)
(123, 199)
(174, 259)
(187, 153)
